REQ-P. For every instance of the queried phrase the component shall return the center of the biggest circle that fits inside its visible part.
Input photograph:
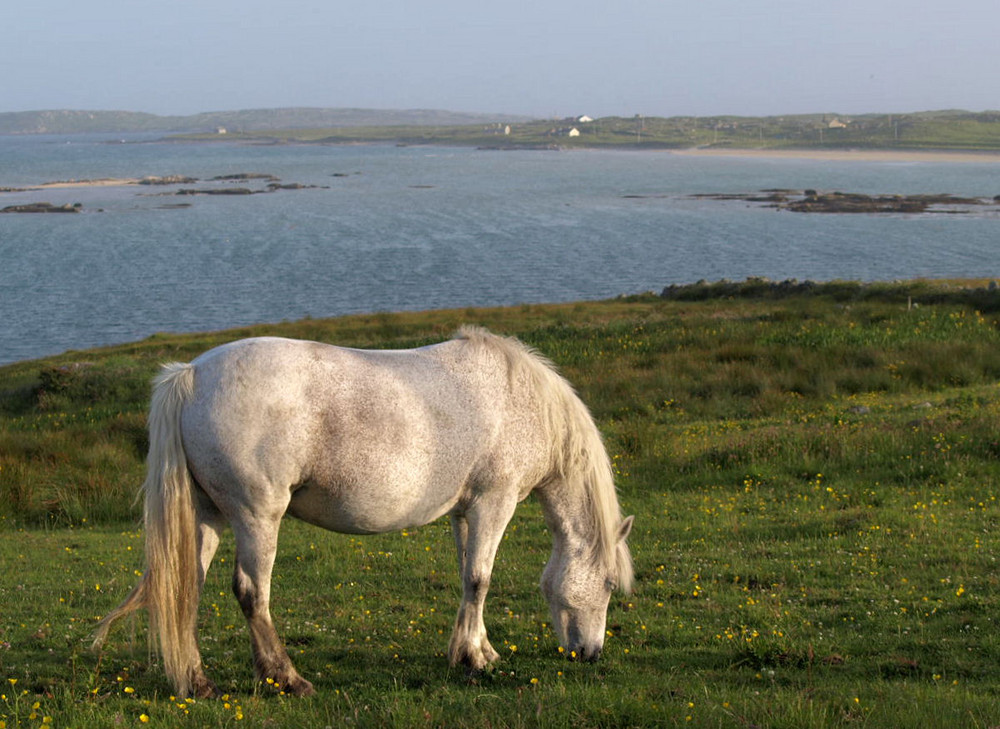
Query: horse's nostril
(594, 655)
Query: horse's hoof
(298, 686)
(293, 685)
(202, 687)
(474, 658)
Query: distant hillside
(937, 130)
(248, 120)
(954, 130)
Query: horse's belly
(369, 509)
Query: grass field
(813, 472)
(944, 130)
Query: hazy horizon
(553, 58)
(497, 114)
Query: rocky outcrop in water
(839, 202)
(243, 176)
(42, 207)
(217, 191)
(168, 180)
(811, 201)
(271, 187)
(273, 184)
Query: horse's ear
(625, 527)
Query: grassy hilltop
(813, 470)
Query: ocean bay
(390, 228)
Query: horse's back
(365, 440)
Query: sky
(544, 58)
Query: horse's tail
(169, 587)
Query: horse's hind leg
(256, 544)
(209, 525)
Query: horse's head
(578, 589)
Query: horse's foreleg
(256, 545)
(477, 537)
(460, 530)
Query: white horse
(368, 441)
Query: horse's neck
(566, 512)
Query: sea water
(389, 228)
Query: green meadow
(940, 130)
(813, 469)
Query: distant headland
(68, 121)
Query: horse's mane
(579, 455)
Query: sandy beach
(103, 182)
(847, 155)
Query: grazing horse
(362, 442)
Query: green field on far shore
(953, 131)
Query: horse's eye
(611, 585)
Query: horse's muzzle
(582, 653)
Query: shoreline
(846, 155)
(828, 155)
